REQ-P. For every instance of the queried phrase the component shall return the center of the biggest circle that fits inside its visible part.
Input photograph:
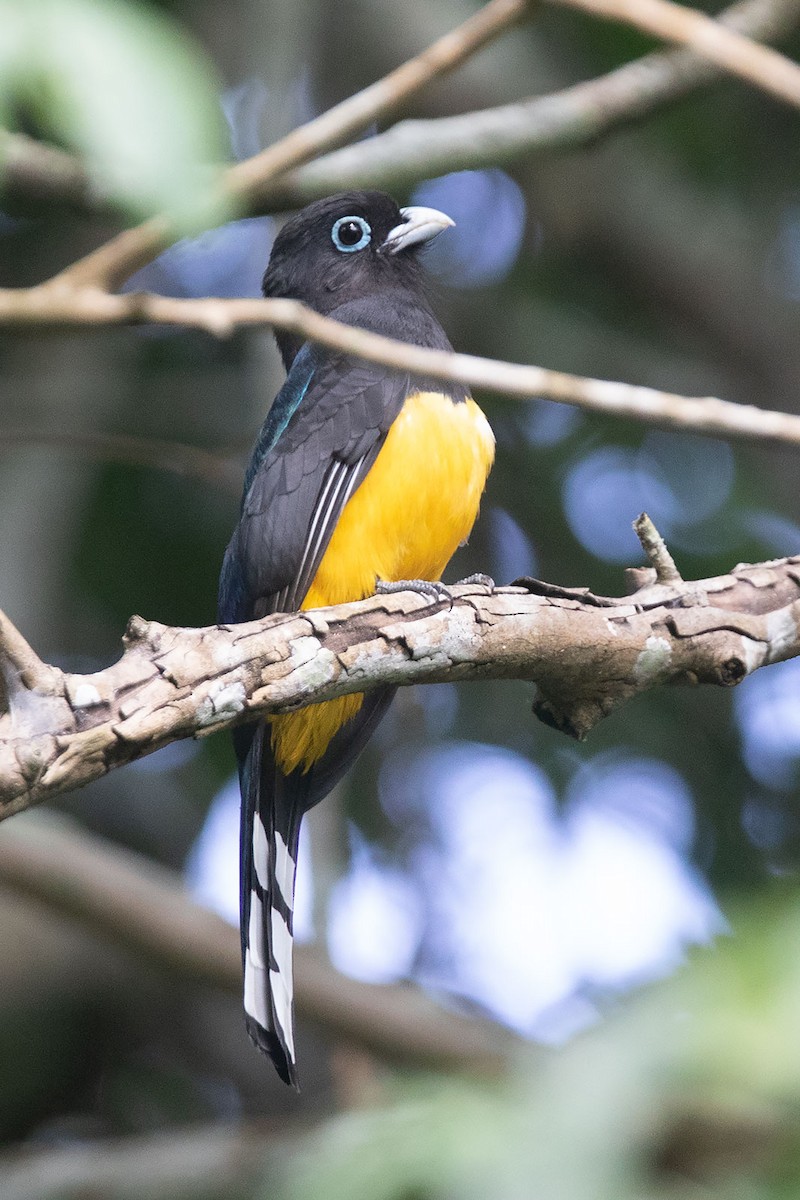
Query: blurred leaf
(12, 41)
(13, 31)
(125, 88)
(690, 1091)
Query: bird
(362, 477)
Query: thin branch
(191, 462)
(587, 654)
(415, 149)
(37, 307)
(354, 115)
(114, 261)
(145, 908)
(20, 665)
(759, 65)
(572, 117)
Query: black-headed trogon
(360, 474)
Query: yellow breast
(416, 506)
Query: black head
(346, 247)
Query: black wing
(298, 487)
(323, 434)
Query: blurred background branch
(209, 1162)
(113, 262)
(34, 171)
(146, 910)
(726, 48)
(559, 121)
(191, 462)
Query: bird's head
(347, 247)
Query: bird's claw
(479, 577)
(437, 592)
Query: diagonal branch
(659, 557)
(22, 672)
(759, 65)
(587, 654)
(45, 306)
(414, 149)
(109, 265)
(145, 908)
(354, 115)
(572, 117)
(113, 262)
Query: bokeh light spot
(767, 709)
(488, 208)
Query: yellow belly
(416, 506)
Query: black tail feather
(272, 810)
(273, 806)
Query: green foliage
(689, 1091)
(124, 87)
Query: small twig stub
(656, 550)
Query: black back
(322, 435)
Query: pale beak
(419, 225)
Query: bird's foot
(479, 577)
(437, 592)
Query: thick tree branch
(588, 654)
(145, 909)
(738, 55)
(46, 306)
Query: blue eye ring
(340, 235)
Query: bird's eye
(351, 233)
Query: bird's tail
(272, 811)
(273, 805)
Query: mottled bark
(586, 653)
